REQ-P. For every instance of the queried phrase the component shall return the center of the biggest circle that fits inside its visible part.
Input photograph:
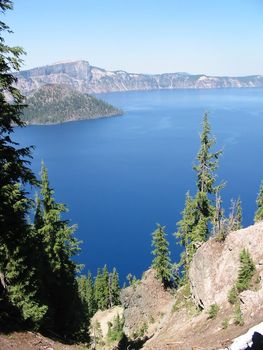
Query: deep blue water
(119, 176)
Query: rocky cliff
(183, 321)
(83, 77)
(145, 304)
(214, 269)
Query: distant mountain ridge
(83, 77)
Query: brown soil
(32, 341)
(186, 331)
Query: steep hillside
(185, 321)
(83, 77)
(32, 341)
(55, 103)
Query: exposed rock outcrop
(145, 304)
(83, 77)
(104, 317)
(215, 265)
(178, 321)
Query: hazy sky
(216, 37)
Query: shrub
(213, 311)
(232, 295)
(225, 323)
(238, 316)
(115, 330)
(246, 271)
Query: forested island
(56, 103)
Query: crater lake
(120, 176)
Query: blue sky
(216, 37)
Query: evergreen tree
(200, 211)
(161, 262)
(17, 270)
(90, 297)
(86, 291)
(259, 213)
(207, 163)
(185, 231)
(114, 288)
(106, 287)
(59, 289)
(98, 289)
(246, 271)
(101, 289)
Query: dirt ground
(32, 341)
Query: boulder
(215, 266)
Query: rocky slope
(83, 77)
(54, 103)
(145, 304)
(182, 322)
(214, 269)
(32, 341)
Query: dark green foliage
(115, 330)
(86, 291)
(161, 262)
(38, 287)
(114, 288)
(200, 211)
(233, 295)
(213, 311)
(59, 103)
(245, 274)
(58, 289)
(207, 161)
(238, 316)
(107, 289)
(101, 289)
(18, 290)
(259, 213)
(246, 271)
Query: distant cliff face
(83, 77)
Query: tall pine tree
(86, 291)
(199, 211)
(101, 289)
(18, 288)
(114, 288)
(59, 286)
(161, 262)
(207, 163)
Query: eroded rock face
(215, 265)
(144, 304)
(104, 317)
(89, 79)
